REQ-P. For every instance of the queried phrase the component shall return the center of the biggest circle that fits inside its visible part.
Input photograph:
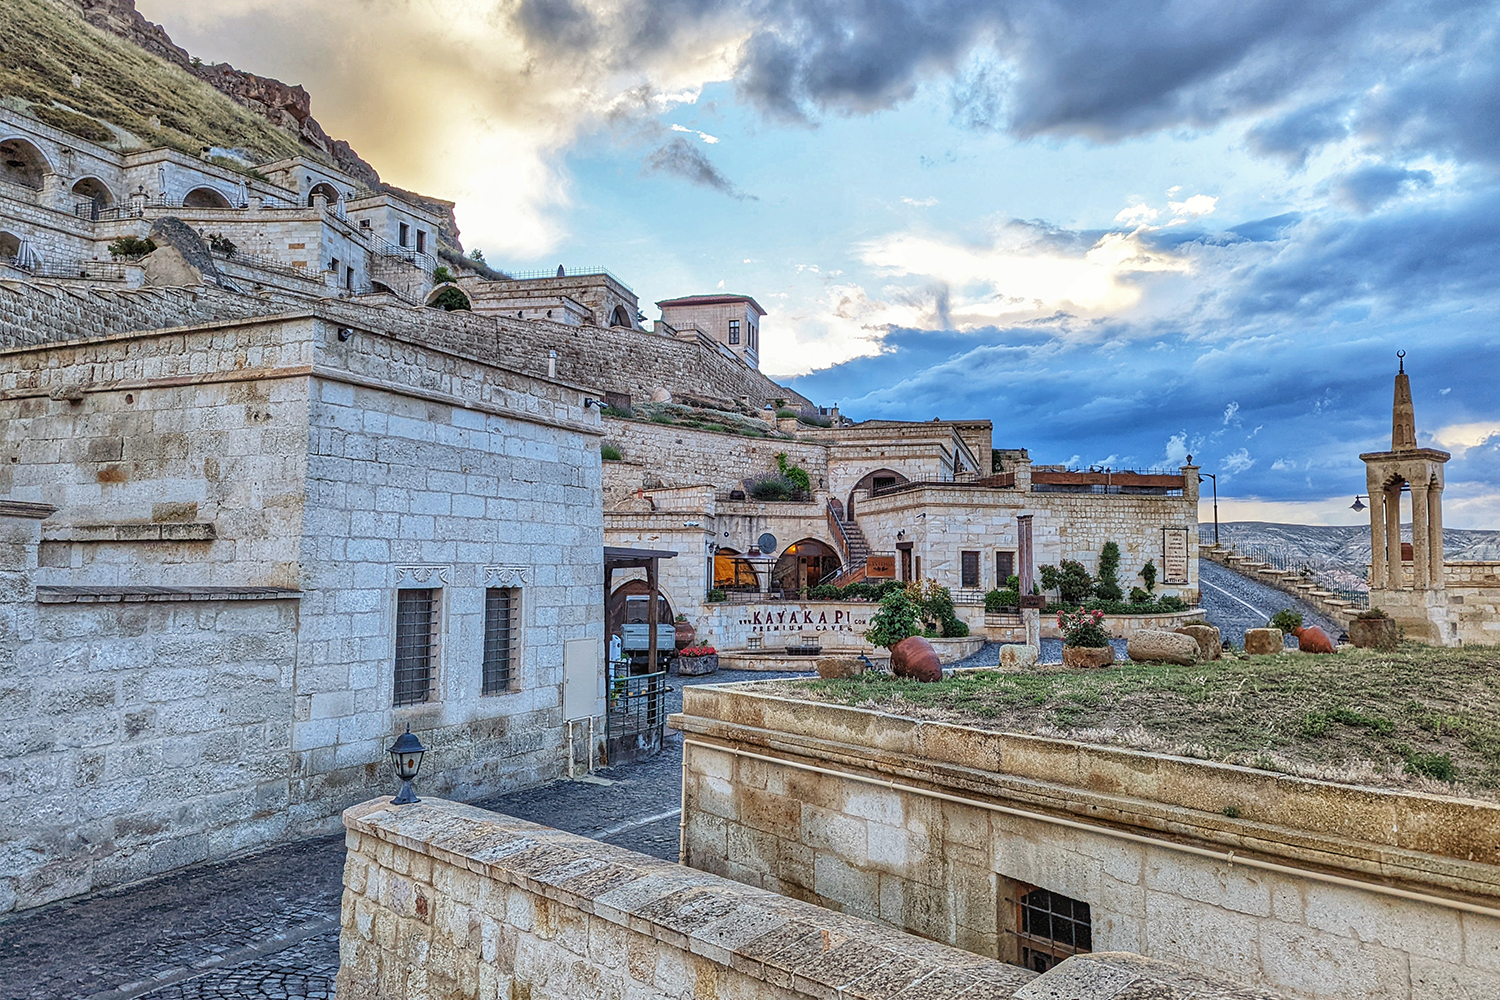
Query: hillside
(1337, 554)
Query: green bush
(1374, 614)
(1070, 579)
(1431, 765)
(717, 596)
(998, 600)
(441, 274)
(860, 592)
(624, 412)
(1013, 582)
(786, 412)
(450, 300)
(796, 474)
(477, 255)
(824, 592)
(814, 419)
(1172, 603)
(896, 620)
(1139, 596)
(609, 453)
(1107, 585)
(131, 247)
(773, 488)
(1081, 627)
(1148, 573)
(1287, 620)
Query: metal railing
(1311, 569)
(264, 263)
(93, 270)
(568, 272)
(90, 212)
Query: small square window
(416, 645)
(1051, 927)
(501, 632)
(405, 234)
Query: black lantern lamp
(406, 757)
(1357, 504)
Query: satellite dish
(766, 543)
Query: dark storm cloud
(682, 158)
(1371, 186)
(1407, 75)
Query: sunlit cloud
(1459, 438)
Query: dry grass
(43, 43)
(1419, 718)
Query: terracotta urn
(1311, 639)
(1088, 657)
(685, 634)
(914, 658)
(1375, 633)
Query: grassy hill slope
(43, 43)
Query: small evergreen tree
(1107, 586)
(477, 255)
(1148, 573)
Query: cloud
(1371, 186)
(1459, 438)
(681, 158)
(1235, 462)
(1176, 450)
(919, 202)
(1191, 208)
(710, 139)
(1230, 411)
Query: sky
(1125, 232)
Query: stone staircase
(856, 548)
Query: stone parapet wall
(1297, 586)
(681, 456)
(444, 900)
(1315, 890)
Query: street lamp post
(1215, 479)
(406, 760)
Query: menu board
(1174, 556)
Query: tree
(896, 620)
(1107, 585)
(477, 255)
(1148, 573)
(1070, 580)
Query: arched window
(620, 317)
(22, 163)
(204, 197)
(92, 189)
(328, 191)
(733, 571)
(805, 563)
(10, 246)
(874, 482)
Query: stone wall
(1474, 600)
(443, 900)
(1316, 890)
(1295, 584)
(681, 456)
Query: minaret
(1418, 599)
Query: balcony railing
(93, 270)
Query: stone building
(242, 553)
(731, 320)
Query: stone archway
(10, 246)
(328, 191)
(448, 297)
(805, 563)
(21, 162)
(204, 197)
(628, 604)
(872, 481)
(733, 572)
(620, 317)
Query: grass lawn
(1420, 718)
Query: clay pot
(1311, 639)
(1088, 657)
(915, 658)
(1375, 633)
(685, 634)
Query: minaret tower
(1413, 593)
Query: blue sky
(1124, 232)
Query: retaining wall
(1317, 890)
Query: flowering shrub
(698, 651)
(1083, 628)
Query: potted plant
(696, 660)
(897, 627)
(1085, 640)
(685, 632)
(1374, 629)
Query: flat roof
(711, 300)
(613, 553)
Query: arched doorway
(204, 197)
(93, 197)
(620, 317)
(805, 563)
(872, 481)
(328, 191)
(448, 297)
(733, 571)
(22, 163)
(10, 246)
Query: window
(416, 639)
(968, 563)
(1005, 567)
(348, 277)
(333, 265)
(734, 331)
(405, 234)
(500, 634)
(421, 241)
(1051, 928)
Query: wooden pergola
(617, 557)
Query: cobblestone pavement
(265, 927)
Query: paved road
(265, 927)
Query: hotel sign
(1174, 557)
(804, 618)
(880, 567)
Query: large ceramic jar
(685, 634)
(1088, 657)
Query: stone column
(1377, 537)
(1435, 536)
(1419, 559)
(1394, 578)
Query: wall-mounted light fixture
(345, 333)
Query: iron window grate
(499, 639)
(416, 636)
(1053, 926)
